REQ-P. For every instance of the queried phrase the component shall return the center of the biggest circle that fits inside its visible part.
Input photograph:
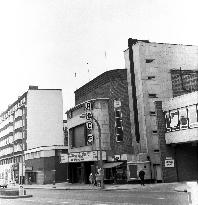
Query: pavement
(157, 187)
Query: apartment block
(31, 136)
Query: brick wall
(168, 174)
(113, 85)
(189, 80)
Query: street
(97, 197)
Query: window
(174, 120)
(79, 136)
(152, 113)
(149, 60)
(183, 118)
(154, 131)
(118, 125)
(152, 95)
(151, 77)
(192, 116)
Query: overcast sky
(45, 42)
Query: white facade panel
(44, 118)
(189, 135)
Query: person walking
(141, 176)
(91, 179)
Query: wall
(113, 85)
(163, 58)
(44, 118)
(184, 81)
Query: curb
(51, 188)
(15, 197)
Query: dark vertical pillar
(132, 42)
(168, 174)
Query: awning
(111, 164)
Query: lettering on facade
(88, 105)
(89, 125)
(81, 157)
(13, 109)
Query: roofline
(172, 44)
(45, 89)
(80, 105)
(113, 70)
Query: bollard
(21, 191)
(192, 193)
(54, 184)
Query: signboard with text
(169, 163)
(82, 156)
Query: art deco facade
(108, 94)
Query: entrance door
(78, 174)
(157, 173)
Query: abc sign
(89, 125)
(88, 105)
(89, 116)
(90, 138)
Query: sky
(63, 44)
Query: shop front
(115, 172)
(81, 164)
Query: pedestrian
(98, 178)
(30, 180)
(91, 179)
(141, 176)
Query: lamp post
(100, 148)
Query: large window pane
(183, 119)
(192, 116)
(174, 120)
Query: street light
(100, 147)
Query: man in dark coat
(141, 175)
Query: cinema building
(178, 131)
(31, 138)
(108, 95)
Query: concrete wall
(164, 57)
(44, 118)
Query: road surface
(97, 197)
